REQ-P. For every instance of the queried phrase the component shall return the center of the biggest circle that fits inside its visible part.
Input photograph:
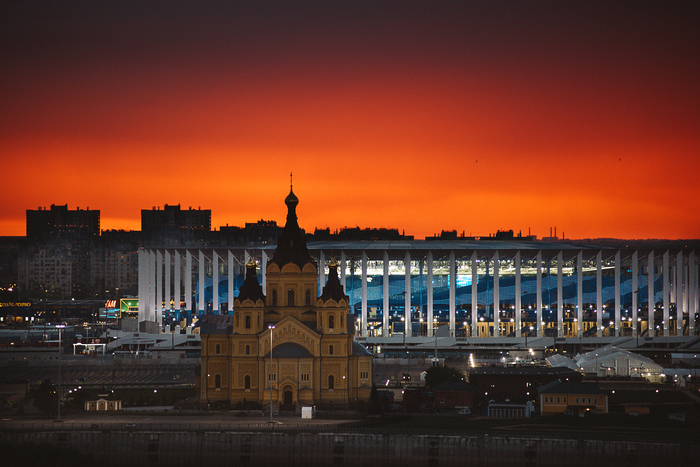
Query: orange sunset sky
(418, 116)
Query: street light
(435, 335)
(271, 327)
(60, 351)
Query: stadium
(424, 294)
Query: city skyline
(415, 116)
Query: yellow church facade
(291, 346)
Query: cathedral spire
(291, 246)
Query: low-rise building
(572, 397)
(453, 395)
(515, 384)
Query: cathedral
(289, 347)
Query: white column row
(161, 279)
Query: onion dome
(250, 289)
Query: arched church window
(331, 382)
(247, 322)
(247, 382)
(218, 349)
(247, 350)
(308, 297)
(274, 297)
(217, 381)
(290, 298)
(330, 350)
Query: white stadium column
(343, 266)
(496, 296)
(407, 295)
(321, 271)
(143, 283)
(540, 332)
(599, 293)
(231, 280)
(429, 316)
(692, 293)
(518, 295)
(666, 298)
(200, 303)
(386, 313)
(618, 310)
(188, 281)
(560, 294)
(475, 297)
(579, 294)
(177, 280)
(651, 306)
(453, 292)
(153, 287)
(263, 271)
(168, 266)
(635, 292)
(364, 294)
(159, 288)
(214, 282)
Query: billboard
(129, 307)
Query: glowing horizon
(406, 115)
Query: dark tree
(375, 406)
(46, 398)
(439, 373)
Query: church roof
(290, 350)
(570, 387)
(333, 288)
(291, 246)
(250, 289)
(454, 385)
(359, 350)
(215, 324)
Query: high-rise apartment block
(60, 222)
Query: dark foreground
(226, 439)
